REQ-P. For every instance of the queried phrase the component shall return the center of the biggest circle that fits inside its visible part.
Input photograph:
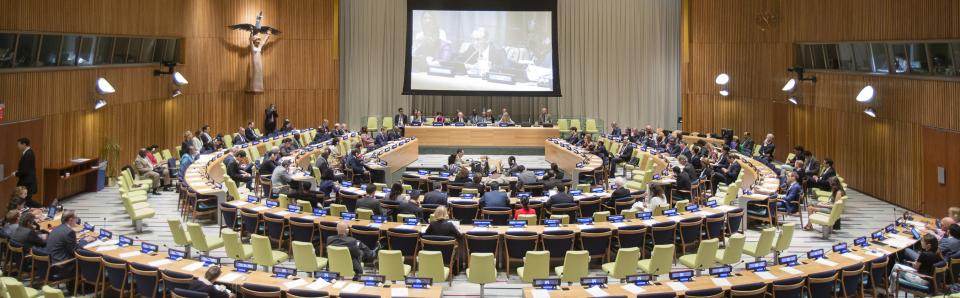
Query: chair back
(274, 226)
(663, 232)
(370, 236)
(518, 243)
(175, 280)
(596, 241)
(347, 199)
(233, 245)
(733, 251)
(765, 243)
(530, 218)
(705, 293)
(715, 226)
(690, 230)
(588, 206)
(89, 266)
(661, 259)
(327, 229)
(782, 242)
(754, 290)
(734, 221)
(249, 221)
(404, 240)
(252, 290)
(302, 229)
(625, 264)
(576, 264)
(262, 251)
(482, 269)
(115, 273)
(535, 265)
(430, 264)
(822, 284)
(570, 210)
(444, 244)
(227, 212)
(482, 242)
(499, 216)
(176, 228)
(197, 236)
(631, 236)
(340, 260)
(789, 288)
(706, 254)
(557, 242)
(304, 256)
(391, 264)
(851, 280)
(464, 211)
(146, 280)
(302, 293)
(364, 214)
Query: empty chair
(518, 243)
(535, 265)
(588, 206)
(597, 242)
(302, 293)
(203, 242)
(851, 281)
(263, 254)
(731, 254)
(625, 263)
(788, 288)
(705, 293)
(252, 290)
(499, 216)
(482, 270)
(90, 271)
(430, 264)
(715, 226)
(557, 242)
(115, 274)
(822, 284)
(689, 230)
(180, 237)
(275, 227)
(482, 242)
(405, 241)
(235, 248)
(446, 245)
(228, 214)
(327, 229)
(663, 233)
(249, 222)
(782, 241)
(464, 211)
(631, 236)
(734, 221)
(305, 257)
(761, 248)
(660, 261)
(146, 280)
(752, 290)
(303, 230)
(570, 210)
(369, 236)
(392, 266)
(877, 275)
(575, 266)
(704, 258)
(364, 214)
(16, 289)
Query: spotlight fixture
(99, 104)
(790, 86)
(104, 87)
(723, 80)
(871, 112)
(178, 79)
(176, 92)
(866, 94)
(793, 99)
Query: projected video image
(481, 51)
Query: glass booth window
(899, 58)
(846, 56)
(918, 58)
(941, 60)
(7, 43)
(68, 52)
(104, 50)
(27, 48)
(85, 56)
(881, 60)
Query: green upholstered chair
(660, 261)
(306, 259)
(826, 221)
(625, 263)
(180, 237)
(392, 266)
(782, 242)
(762, 247)
(263, 253)
(731, 253)
(203, 242)
(482, 270)
(536, 264)
(430, 264)
(705, 257)
(235, 248)
(575, 265)
(340, 261)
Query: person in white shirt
(654, 198)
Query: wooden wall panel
(882, 157)
(302, 72)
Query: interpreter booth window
(85, 55)
(120, 50)
(8, 43)
(941, 59)
(104, 50)
(27, 47)
(881, 59)
(68, 50)
(49, 50)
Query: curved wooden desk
(473, 136)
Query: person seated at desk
(488, 116)
(240, 138)
(11, 222)
(459, 118)
(355, 163)
(560, 198)
(439, 118)
(550, 180)
(189, 155)
(544, 118)
(62, 243)
(366, 140)
(654, 199)
(462, 177)
(328, 183)
(251, 133)
(237, 171)
(815, 205)
(359, 252)
(475, 183)
(625, 155)
(923, 264)
(393, 134)
(441, 224)
(417, 117)
(435, 196)
(726, 175)
(525, 176)
(452, 166)
(505, 119)
(683, 184)
(144, 169)
(475, 118)
(494, 197)
(270, 162)
(382, 138)
(213, 146)
(793, 194)
(337, 131)
(524, 208)
(409, 204)
(512, 166)
(27, 233)
(556, 170)
(615, 130)
(369, 201)
(287, 148)
(205, 284)
(204, 135)
(281, 179)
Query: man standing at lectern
(27, 170)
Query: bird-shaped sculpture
(256, 28)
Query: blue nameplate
(576, 192)
(272, 204)
(411, 221)
(378, 219)
(758, 266)
(639, 279)
(721, 271)
(481, 223)
(293, 208)
(585, 220)
(467, 196)
(423, 172)
(459, 124)
(124, 241)
(840, 248)
(816, 254)
(437, 124)
(348, 215)
(615, 218)
(788, 261)
(693, 208)
(670, 212)
(387, 190)
(645, 215)
(104, 234)
(148, 248)
(209, 261)
(319, 212)
(552, 223)
(347, 184)
(861, 242)
(518, 223)
(244, 267)
(283, 272)
(252, 199)
(481, 125)
(712, 203)
(597, 190)
(176, 255)
(682, 276)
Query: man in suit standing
(270, 119)
(27, 170)
(494, 197)
(400, 119)
(250, 133)
(545, 118)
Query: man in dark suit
(205, 284)
(574, 137)
(683, 184)
(382, 138)
(205, 137)
(240, 137)
(359, 252)
(370, 201)
(687, 167)
(820, 181)
(27, 234)
(562, 197)
(237, 173)
(792, 195)
(436, 196)
(614, 129)
(410, 205)
(494, 197)
(625, 155)
(767, 149)
(62, 243)
(250, 133)
(355, 162)
(27, 170)
(270, 119)
(726, 175)
(400, 119)
(482, 55)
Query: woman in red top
(525, 208)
